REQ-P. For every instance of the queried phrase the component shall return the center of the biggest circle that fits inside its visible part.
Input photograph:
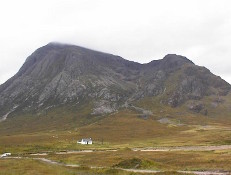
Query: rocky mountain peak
(59, 74)
(175, 57)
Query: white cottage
(5, 155)
(85, 141)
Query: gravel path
(148, 149)
(185, 148)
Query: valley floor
(114, 170)
(123, 144)
(200, 160)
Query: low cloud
(138, 30)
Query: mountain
(78, 80)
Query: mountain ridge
(59, 74)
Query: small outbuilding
(87, 141)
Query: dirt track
(185, 148)
(148, 149)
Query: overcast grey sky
(138, 30)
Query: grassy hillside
(59, 128)
(126, 128)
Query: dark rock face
(58, 74)
(197, 107)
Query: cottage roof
(86, 140)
